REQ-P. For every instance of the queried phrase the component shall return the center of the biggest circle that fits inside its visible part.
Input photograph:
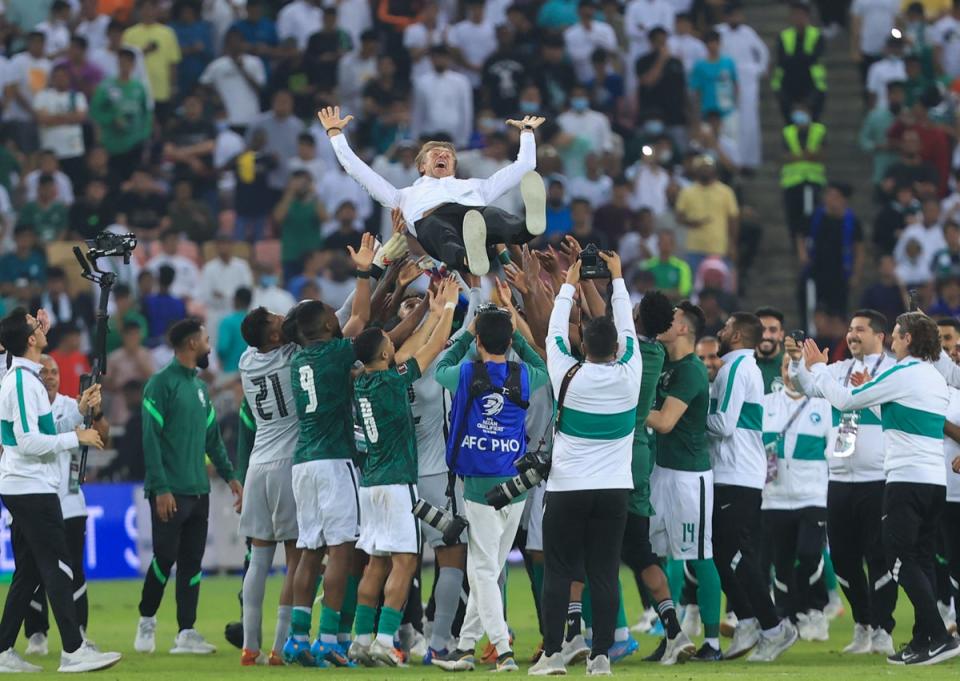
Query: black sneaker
(233, 632)
(905, 655)
(707, 653)
(937, 652)
(657, 654)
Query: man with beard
(708, 350)
(855, 489)
(769, 353)
(179, 431)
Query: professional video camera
(532, 468)
(592, 266)
(448, 524)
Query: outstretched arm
(360, 313)
(381, 190)
(507, 178)
(447, 298)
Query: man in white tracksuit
(855, 491)
(912, 398)
(795, 430)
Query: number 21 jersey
(266, 384)
(320, 373)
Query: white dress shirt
(187, 277)
(882, 72)
(95, 31)
(241, 101)
(643, 15)
(419, 37)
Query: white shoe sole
(681, 656)
(458, 666)
(575, 657)
(475, 243)
(191, 651)
(942, 657)
(534, 196)
(547, 672)
(733, 655)
(90, 666)
(849, 650)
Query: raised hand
(516, 278)
(43, 319)
(570, 247)
(409, 272)
(398, 222)
(450, 290)
(813, 354)
(527, 122)
(330, 118)
(364, 257)
(792, 348)
(548, 260)
(573, 274)
(613, 263)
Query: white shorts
(535, 519)
(328, 503)
(433, 489)
(683, 525)
(269, 512)
(387, 523)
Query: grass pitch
(113, 618)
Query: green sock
(388, 625)
(621, 611)
(349, 608)
(363, 623)
(300, 621)
(536, 575)
(708, 595)
(829, 576)
(329, 623)
(674, 570)
(587, 607)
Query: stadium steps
(774, 275)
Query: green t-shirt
(670, 275)
(123, 114)
(770, 369)
(383, 410)
(641, 464)
(301, 230)
(49, 223)
(320, 374)
(685, 447)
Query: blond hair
(427, 147)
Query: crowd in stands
(193, 124)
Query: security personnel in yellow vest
(802, 175)
(800, 73)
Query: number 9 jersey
(266, 385)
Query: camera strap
(564, 385)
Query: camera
(798, 336)
(592, 266)
(532, 468)
(108, 245)
(450, 526)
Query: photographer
(488, 436)
(590, 480)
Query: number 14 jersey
(266, 384)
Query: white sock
(621, 634)
(588, 633)
(748, 622)
(713, 643)
(254, 585)
(385, 640)
(284, 613)
(366, 639)
(343, 637)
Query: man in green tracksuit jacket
(179, 431)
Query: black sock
(574, 610)
(668, 615)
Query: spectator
(913, 269)
(892, 218)
(887, 295)
(800, 75)
(504, 74)
(299, 214)
(948, 298)
(237, 78)
(615, 216)
(195, 37)
(56, 30)
(559, 218)
(26, 75)
(711, 138)
(684, 45)
(596, 187)
(651, 180)
(123, 113)
(93, 213)
(582, 228)
(870, 24)
(382, 93)
(554, 76)
(640, 243)
(26, 265)
(873, 133)
(282, 130)
(708, 208)
(442, 101)
(714, 81)
(662, 92)
(640, 19)
(570, 147)
(130, 362)
(324, 49)
(472, 41)
(190, 145)
(161, 53)
(162, 309)
(62, 307)
(935, 143)
(72, 360)
(831, 251)
(943, 35)
(230, 343)
(84, 74)
(428, 31)
(48, 164)
(143, 205)
(253, 197)
(219, 280)
(189, 216)
(299, 20)
(356, 69)
(344, 230)
(92, 26)
(259, 33)
(312, 274)
(61, 113)
(580, 120)
(886, 70)
(557, 15)
(911, 169)
(803, 174)
(605, 85)
(47, 214)
(671, 275)
(107, 57)
(267, 292)
(946, 262)
(186, 274)
(125, 310)
(586, 36)
(928, 231)
(337, 282)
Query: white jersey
(799, 427)
(429, 403)
(266, 385)
(735, 422)
(866, 462)
(951, 449)
(66, 417)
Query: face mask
(268, 280)
(800, 118)
(579, 103)
(653, 127)
(529, 107)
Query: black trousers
(37, 619)
(794, 208)
(181, 540)
(582, 537)
(42, 557)
(637, 553)
(950, 533)
(737, 536)
(441, 232)
(911, 521)
(797, 538)
(854, 534)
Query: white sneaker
(86, 658)
(475, 243)
(679, 649)
(948, 615)
(146, 640)
(599, 666)
(575, 650)
(37, 645)
(834, 606)
(386, 655)
(548, 665)
(745, 637)
(728, 625)
(817, 627)
(769, 648)
(534, 196)
(191, 642)
(646, 622)
(881, 642)
(690, 621)
(861, 640)
(10, 661)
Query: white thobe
(752, 58)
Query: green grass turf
(113, 618)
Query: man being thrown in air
(452, 219)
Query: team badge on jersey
(815, 417)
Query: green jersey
(685, 447)
(641, 464)
(770, 370)
(320, 374)
(383, 409)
